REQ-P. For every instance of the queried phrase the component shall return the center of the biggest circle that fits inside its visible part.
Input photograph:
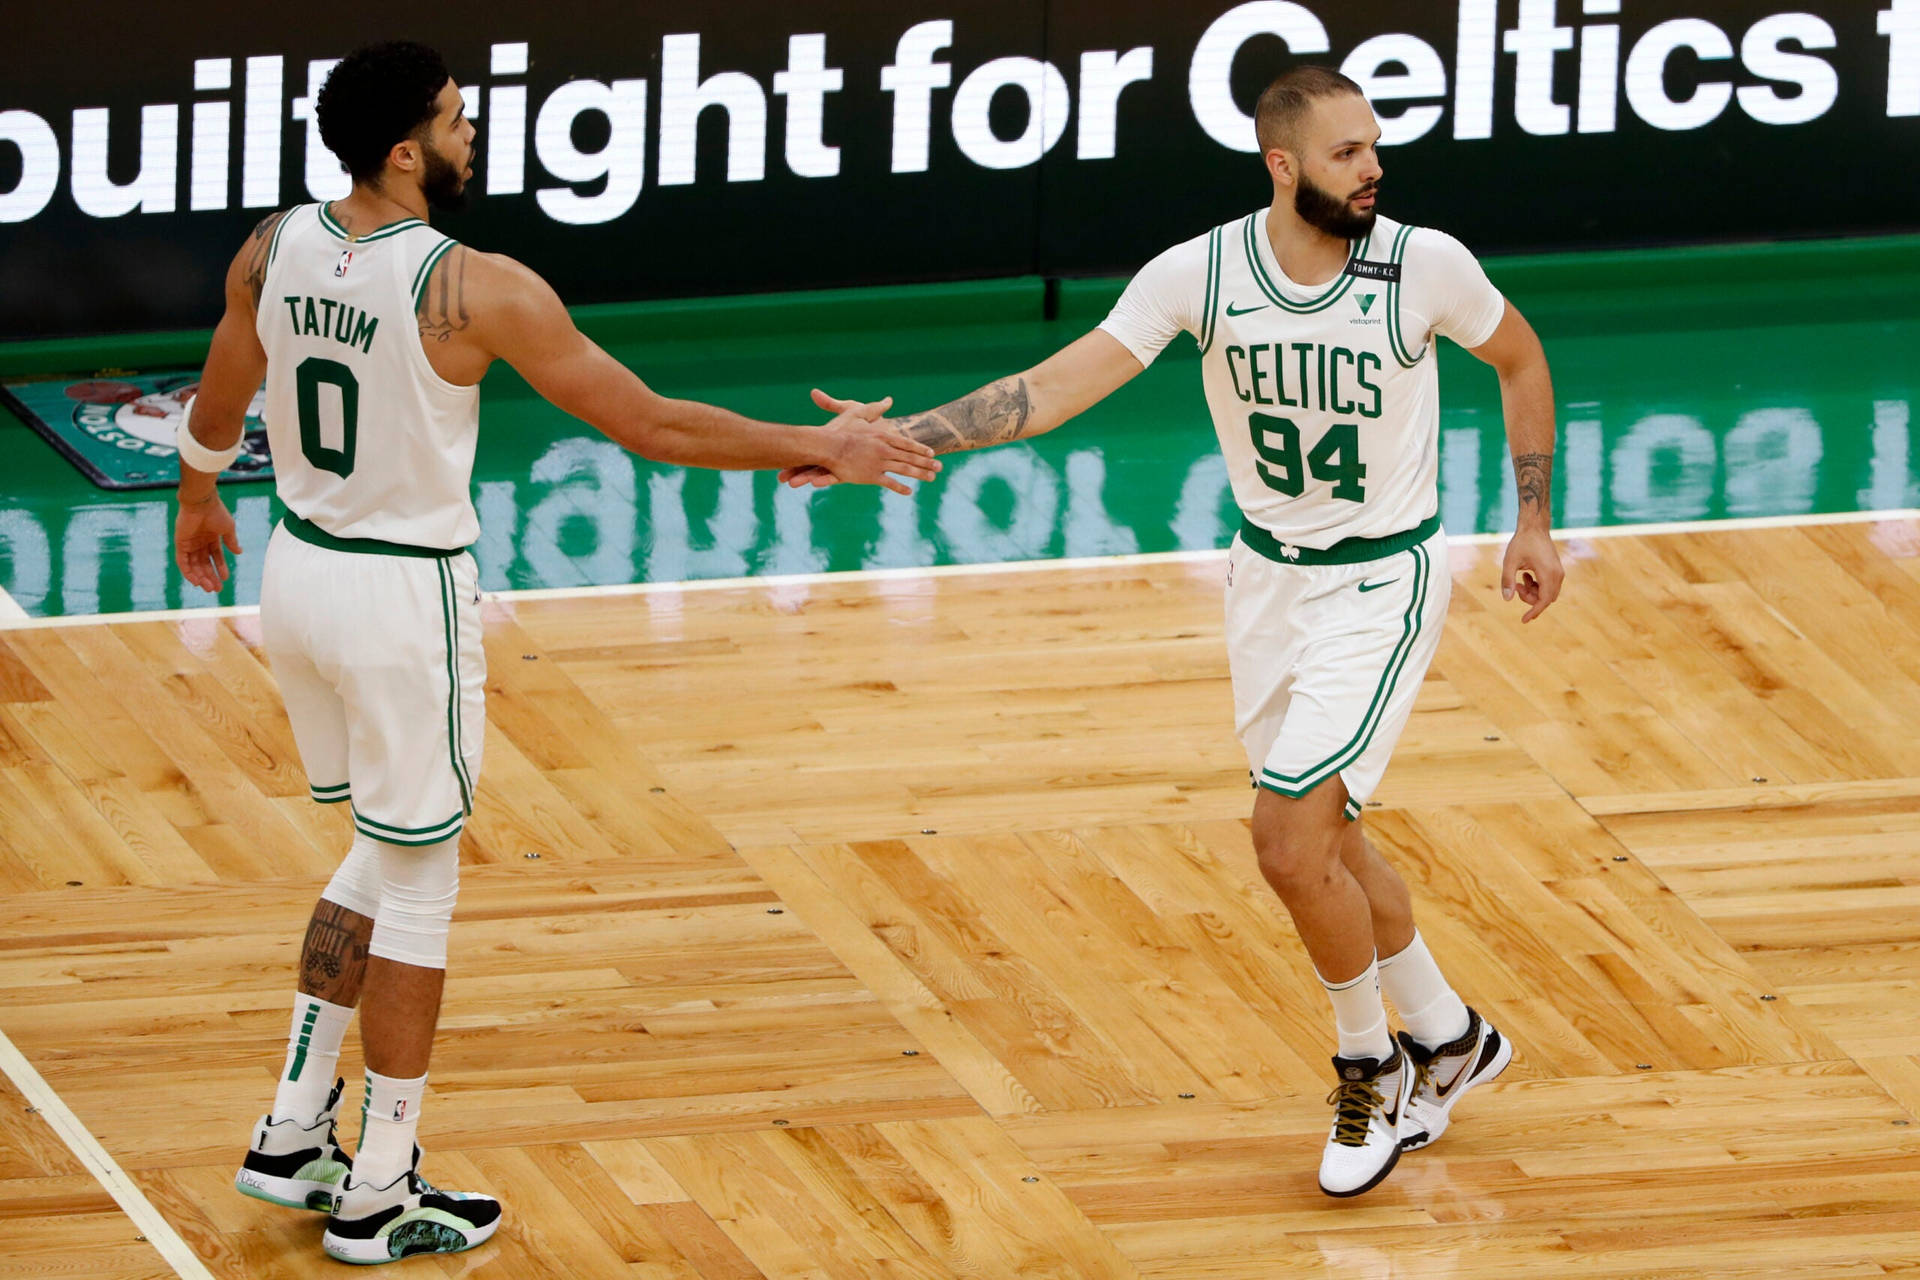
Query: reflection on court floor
(1654, 427)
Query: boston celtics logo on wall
(118, 429)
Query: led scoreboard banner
(627, 152)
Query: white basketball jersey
(368, 441)
(1325, 398)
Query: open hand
(868, 449)
(1532, 571)
(203, 533)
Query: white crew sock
(313, 1054)
(389, 1121)
(1433, 1014)
(1359, 1017)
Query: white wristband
(198, 456)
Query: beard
(444, 183)
(1321, 209)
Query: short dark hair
(379, 95)
(1285, 103)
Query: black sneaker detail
(286, 1166)
(477, 1213)
(1364, 1068)
(364, 1228)
(1489, 1053)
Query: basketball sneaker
(408, 1216)
(1444, 1075)
(294, 1165)
(1367, 1105)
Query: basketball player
(1316, 321)
(372, 331)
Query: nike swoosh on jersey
(1375, 586)
(1232, 311)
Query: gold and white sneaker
(1364, 1144)
(1444, 1075)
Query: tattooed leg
(333, 960)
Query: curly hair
(377, 96)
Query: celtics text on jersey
(1325, 397)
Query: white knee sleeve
(356, 883)
(418, 885)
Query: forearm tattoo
(443, 303)
(994, 414)
(1533, 476)
(334, 950)
(258, 245)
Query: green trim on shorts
(330, 795)
(409, 835)
(449, 613)
(1352, 810)
(1298, 785)
(1345, 551)
(307, 531)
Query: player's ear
(1280, 166)
(405, 155)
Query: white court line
(10, 610)
(126, 1193)
(921, 572)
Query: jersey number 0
(307, 379)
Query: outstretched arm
(1532, 565)
(1017, 407)
(516, 316)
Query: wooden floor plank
(912, 929)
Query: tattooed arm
(443, 303)
(1016, 407)
(1532, 566)
(1065, 384)
(254, 257)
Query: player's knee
(356, 881)
(419, 885)
(1296, 857)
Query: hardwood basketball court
(907, 926)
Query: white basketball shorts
(379, 661)
(1327, 660)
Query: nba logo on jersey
(346, 260)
